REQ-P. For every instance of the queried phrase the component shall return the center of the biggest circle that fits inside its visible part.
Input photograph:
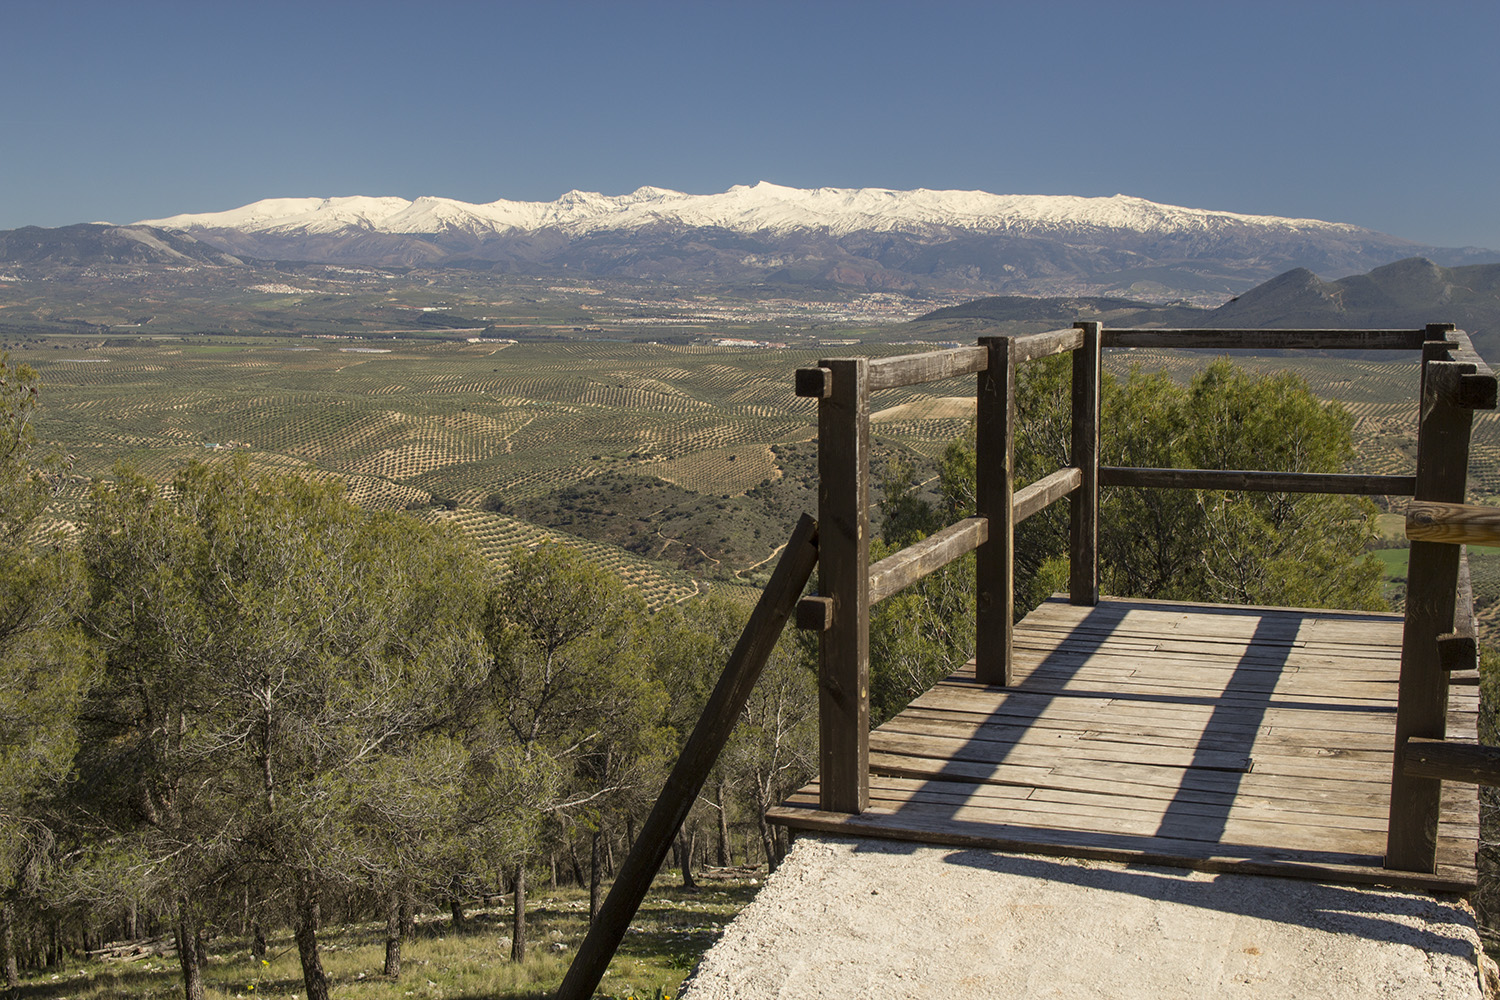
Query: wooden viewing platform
(1333, 745)
(1210, 737)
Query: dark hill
(1408, 293)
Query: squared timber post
(1083, 505)
(1431, 593)
(844, 576)
(994, 493)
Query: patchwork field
(675, 465)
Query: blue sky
(1386, 115)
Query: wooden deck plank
(1210, 737)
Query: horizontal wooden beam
(1046, 491)
(896, 572)
(1220, 340)
(1462, 349)
(1030, 346)
(929, 366)
(1259, 482)
(1454, 523)
(813, 383)
(1452, 760)
(815, 614)
(1478, 391)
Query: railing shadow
(1207, 786)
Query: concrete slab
(850, 917)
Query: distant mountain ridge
(870, 238)
(760, 208)
(766, 237)
(1406, 294)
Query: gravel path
(847, 917)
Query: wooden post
(994, 461)
(1431, 586)
(723, 710)
(844, 575)
(1083, 505)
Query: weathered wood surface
(1452, 523)
(1045, 492)
(1458, 651)
(1217, 738)
(702, 749)
(1083, 506)
(1360, 340)
(1031, 346)
(1453, 760)
(844, 575)
(929, 366)
(1257, 481)
(898, 571)
(994, 486)
(1431, 597)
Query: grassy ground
(674, 927)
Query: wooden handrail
(1046, 491)
(699, 754)
(1255, 481)
(1453, 523)
(1031, 346)
(933, 366)
(1319, 340)
(896, 572)
(1452, 760)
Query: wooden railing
(847, 581)
(1454, 382)
(1437, 641)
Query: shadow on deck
(1200, 736)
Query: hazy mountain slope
(101, 243)
(1407, 293)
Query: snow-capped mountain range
(762, 208)
(771, 237)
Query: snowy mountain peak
(763, 207)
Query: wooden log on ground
(1046, 491)
(930, 366)
(1453, 523)
(1322, 340)
(1453, 760)
(698, 757)
(1254, 481)
(896, 572)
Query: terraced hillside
(473, 433)
(674, 464)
